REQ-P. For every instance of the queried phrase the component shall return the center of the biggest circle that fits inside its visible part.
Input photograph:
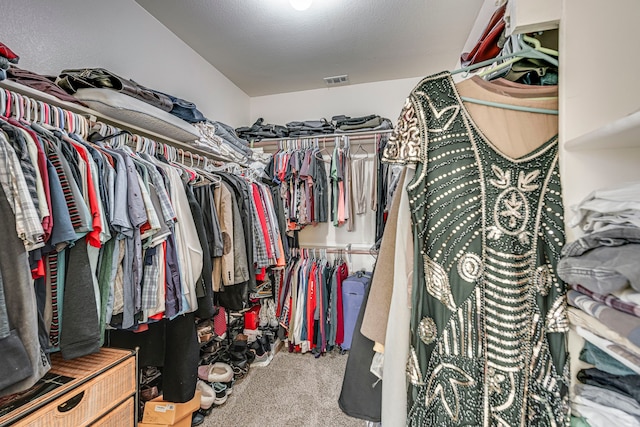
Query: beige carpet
(294, 390)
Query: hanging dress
(488, 316)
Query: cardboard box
(185, 422)
(158, 413)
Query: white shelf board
(79, 109)
(95, 115)
(621, 133)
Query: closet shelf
(621, 133)
(94, 115)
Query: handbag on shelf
(487, 46)
(82, 78)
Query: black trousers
(170, 344)
(361, 395)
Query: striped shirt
(28, 225)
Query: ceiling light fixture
(301, 4)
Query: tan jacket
(376, 315)
(223, 267)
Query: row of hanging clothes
(321, 186)
(298, 168)
(106, 230)
(309, 302)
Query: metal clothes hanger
(3, 102)
(525, 51)
(320, 153)
(517, 44)
(510, 106)
(360, 148)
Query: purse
(487, 45)
(100, 78)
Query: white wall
(383, 98)
(598, 84)
(121, 36)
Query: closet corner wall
(598, 89)
(599, 106)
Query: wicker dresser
(97, 390)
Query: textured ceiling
(267, 47)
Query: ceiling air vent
(337, 80)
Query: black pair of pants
(170, 344)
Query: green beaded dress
(488, 319)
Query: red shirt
(311, 303)
(343, 272)
(93, 237)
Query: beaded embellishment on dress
(488, 312)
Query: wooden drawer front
(100, 395)
(122, 416)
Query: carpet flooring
(294, 390)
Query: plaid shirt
(16, 139)
(610, 300)
(150, 278)
(260, 256)
(28, 225)
(272, 222)
(168, 213)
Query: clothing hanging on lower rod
(309, 305)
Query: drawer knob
(71, 403)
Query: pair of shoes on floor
(216, 372)
(148, 392)
(214, 394)
(262, 350)
(252, 334)
(239, 372)
(239, 353)
(149, 374)
(197, 419)
(205, 331)
(267, 314)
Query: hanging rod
(353, 136)
(93, 115)
(333, 249)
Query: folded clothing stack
(310, 128)
(260, 130)
(71, 80)
(227, 133)
(371, 122)
(603, 271)
(222, 140)
(338, 124)
(40, 82)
